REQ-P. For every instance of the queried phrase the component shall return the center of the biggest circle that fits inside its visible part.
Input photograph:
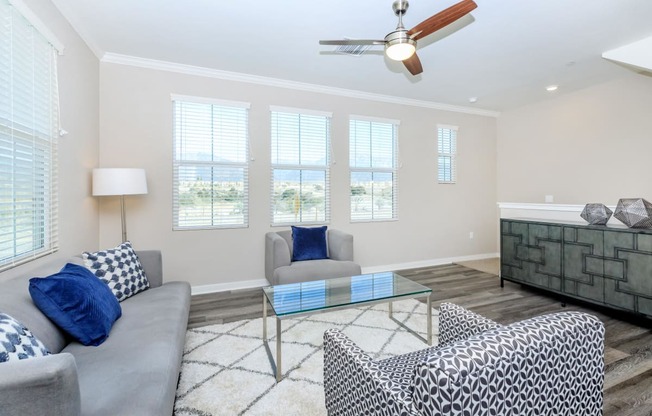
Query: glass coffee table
(307, 298)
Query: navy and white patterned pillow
(17, 342)
(119, 268)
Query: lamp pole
(123, 216)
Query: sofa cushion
(309, 243)
(303, 271)
(78, 302)
(120, 268)
(17, 342)
(141, 359)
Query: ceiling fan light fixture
(399, 46)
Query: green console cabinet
(606, 265)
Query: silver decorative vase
(596, 214)
(634, 212)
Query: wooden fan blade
(352, 42)
(442, 19)
(413, 64)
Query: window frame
(301, 167)
(392, 170)
(451, 170)
(179, 162)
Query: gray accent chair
(134, 372)
(546, 366)
(280, 269)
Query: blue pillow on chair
(81, 305)
(309, 243)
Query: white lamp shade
(119, 181)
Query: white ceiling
(505, 53)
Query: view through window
(373, 162)
(210, 164)
(300, 166)
(447, 151)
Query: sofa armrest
(340, 245)
(458, 324)
(152, 262)
(40, 386)
(551, 364)
(354, 384)
(277, 254)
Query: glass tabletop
(318, 295)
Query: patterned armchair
(548, 365)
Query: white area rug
(226, 369)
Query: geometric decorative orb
(596, 214)
(634, 212)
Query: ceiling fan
(400, 45)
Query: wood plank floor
(628, 341)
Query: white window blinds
(211, 164)
(447, 154)
(29, 124)
(300, 166)
(373, 160)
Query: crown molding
(74, 22)
(114, 58)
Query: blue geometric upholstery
(547, 365)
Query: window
(373, 148)
(211, 170)
(447, 150)
(29, 126)
(300, 166)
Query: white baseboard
(223, 287)
(426, 263)
(248, 284)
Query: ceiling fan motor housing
(399, 45)
(398, 36)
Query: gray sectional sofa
(134, 372)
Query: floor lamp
(119, 182)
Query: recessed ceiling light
(473, 99)
(552, 87)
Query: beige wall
(593, 145)
(435, 220)
(78, 71)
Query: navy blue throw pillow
(79, 303)
(309, 243)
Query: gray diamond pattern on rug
(226, 369)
